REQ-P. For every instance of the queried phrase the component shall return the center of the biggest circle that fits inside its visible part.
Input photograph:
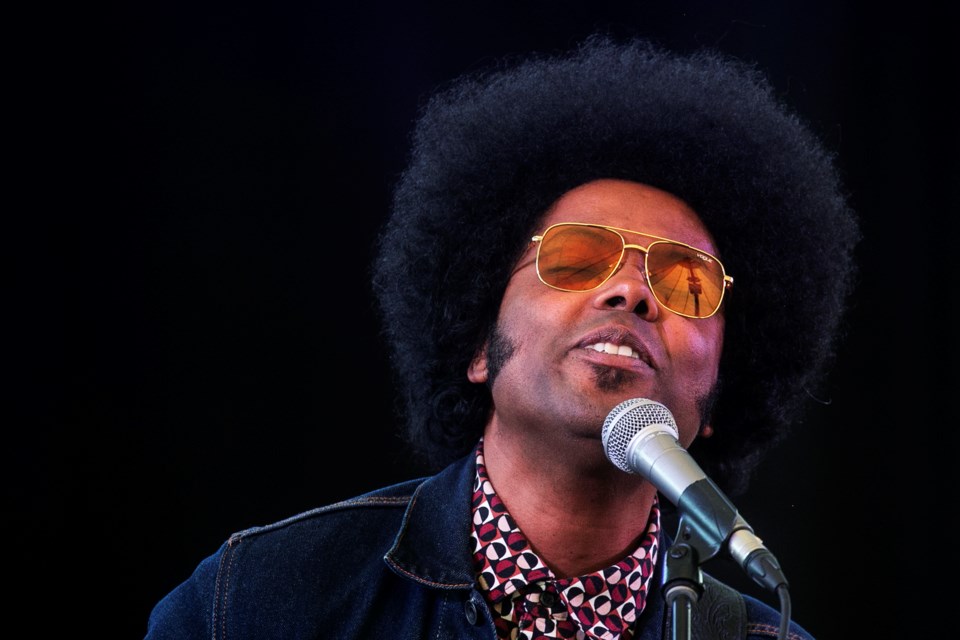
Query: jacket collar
(433, 545)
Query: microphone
(640, 437)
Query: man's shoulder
(385, 503)
(742, 615)
(724, 613)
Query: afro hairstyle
(492, 150)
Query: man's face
(551, 387)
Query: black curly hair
(494, 149)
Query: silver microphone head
(625, 421)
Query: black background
(193, 348)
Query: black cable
(784, 594)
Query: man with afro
(606, 231)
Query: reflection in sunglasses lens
(683, 279)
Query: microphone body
(640, 436)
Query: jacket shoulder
(763, 622)
(390, 501)
(265, 572)
(724, 612)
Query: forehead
(634, 206)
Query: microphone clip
(681, 574)
(682, 587)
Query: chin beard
(612, 378)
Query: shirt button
(548, 599)
(470, 611)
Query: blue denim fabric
(391, 564)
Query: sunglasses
(576, 256)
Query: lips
(617, 340)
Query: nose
(627, 289)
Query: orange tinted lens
(578, 258)
(684, 279)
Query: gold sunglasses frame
(727, 280)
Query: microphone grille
(625, 421)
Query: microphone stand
(707, 521)
(682, 587)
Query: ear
(477, 371)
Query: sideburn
(499, 350)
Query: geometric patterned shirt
(529, 602)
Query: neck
(579, 512)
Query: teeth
(609, 347)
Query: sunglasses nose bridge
(639, 263)
(641, 249)
(642, 264)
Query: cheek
(530, 318)
(527, 305)
(700, 352)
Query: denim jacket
(392, 564)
